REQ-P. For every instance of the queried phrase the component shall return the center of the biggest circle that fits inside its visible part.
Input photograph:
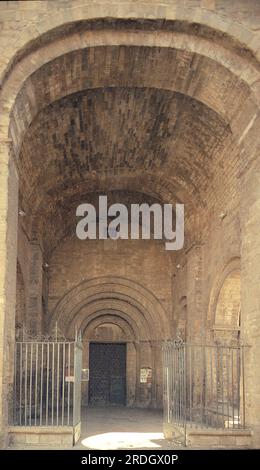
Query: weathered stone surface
(145, 101)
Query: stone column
(8, 259)
(131, 376)
(250, 293)
(154, 375)
(34, 310)
(158, 374)
(195, 328)
(138, 365)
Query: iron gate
(77, 382)
(47, 383)
(203, 386)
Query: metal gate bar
(47, 383)
(204, 386)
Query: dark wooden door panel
(107, 369)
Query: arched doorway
(114, 310)
(110, 356)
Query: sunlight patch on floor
(123, 440)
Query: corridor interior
(145, 111)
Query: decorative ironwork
(56, 334)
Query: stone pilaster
(34, 311)
(195, 314)
(250, 293)
(8, 258)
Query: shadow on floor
(111, 428)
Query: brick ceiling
(117, 130)
(93, 122)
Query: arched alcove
(225, 305)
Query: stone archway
(234, 66)
(132, 310)
(110, 327)
(225, 304)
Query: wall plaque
(145, 375)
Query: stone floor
(115, 428)
(122, 428)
